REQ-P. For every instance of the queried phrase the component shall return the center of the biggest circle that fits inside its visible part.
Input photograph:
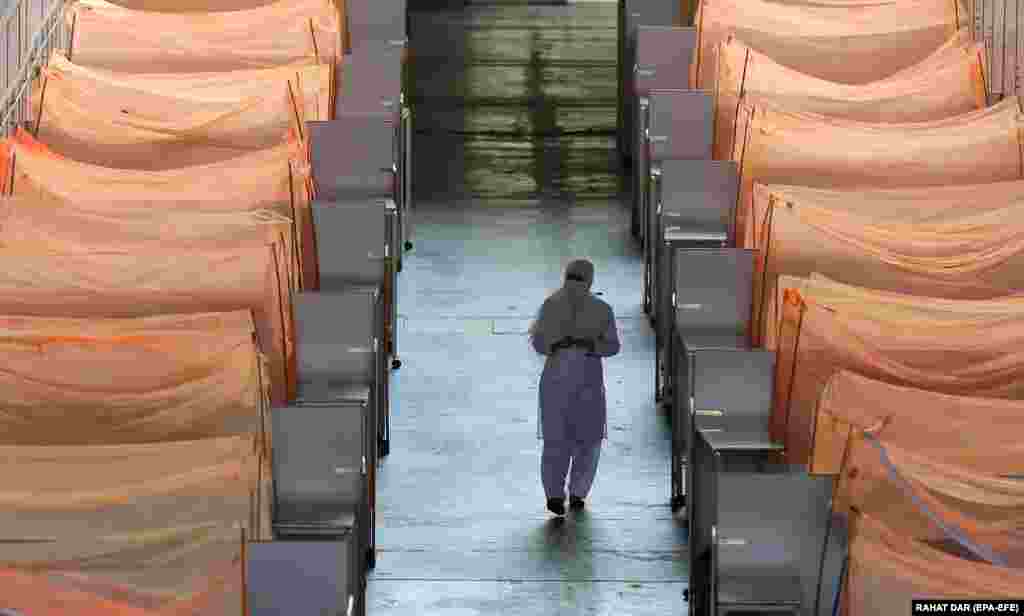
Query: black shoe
(575, 503)
(556, 506)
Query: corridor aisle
(514, 176)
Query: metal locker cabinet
(356, 244)
(322, 465)
(346, 399)
(338, 341)
(375, 20)
(674, 241)
(302, 577)
(663, 56)
(353, 156)
(710, 289)
(722, 385)
(680, 127)
(636, 13)
(351, 242)
(687, 347)
(757, 539)
(694, 196)
(373, 83)
(713, 288)
(372, 79)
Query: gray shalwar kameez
(572, 410)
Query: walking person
(574, 329)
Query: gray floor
(515, 176)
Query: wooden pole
(312, 35)
(10, 185)
(295, 110)
(71, 41)
(295, 220)
(284, 342)
(295, 259)
(333, 95)
(42, 99)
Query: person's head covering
(572, 311)
(579, 274)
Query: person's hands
(564, 343)
(587, 344)
(569, 342)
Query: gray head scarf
(572, 311)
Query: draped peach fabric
(887, 306)
(111, 381)
(980, 433)
(977, 256)
(202, 6)
(157, 522)
(217, 86)
(120, 284)
(933, 204)
(911, 204)
(80, 227)
(115, 38)
(887, 569)
(276, 179)
(927, 498)
(855, 42)
(790, 147)
(967, 358)
(949, 82)
(115, 122)
(36, 594)
(184, 6)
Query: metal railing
(1000, 25)
(31, 30)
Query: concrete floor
(515, 175)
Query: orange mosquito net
(888, 569)
(112, 37)
(968, 357)
(26, 226)
(36, 594)
(949, 82)
(223, 86)
(843, 42)
(277, 179)
(59, 593)
(790, 147)
(155, 525)
(923, 204)
(978, 255)
(114, 122)
(928, 498)
(186, 6)
(119, 283)
(179, 377)
(885, 306)
(203, 6)
(979, 433)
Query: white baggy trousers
(555, 461)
